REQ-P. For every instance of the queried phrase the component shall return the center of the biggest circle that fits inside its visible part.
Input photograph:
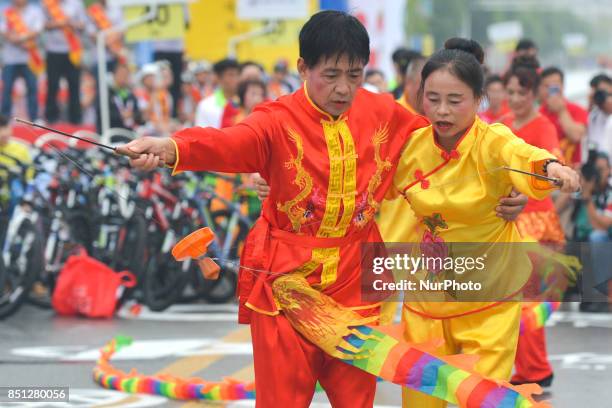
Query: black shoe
(544, 383)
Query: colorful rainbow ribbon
(383, 352)
(166, 385)
(449, 378)
(344, 334)
(392, 359)
(535, 315)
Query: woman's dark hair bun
(525, 69)
(525, 61)
(469, 46)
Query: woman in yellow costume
(453, 173)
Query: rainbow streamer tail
(450, 378)
(168, 386)
(344, 334)
(383, 352)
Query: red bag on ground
(88, 287)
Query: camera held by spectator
(603, 100)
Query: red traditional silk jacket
(327, 178)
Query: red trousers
(531, 363)
(287, 368)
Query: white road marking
(186, 313)
(579, 320)
(140, 350)
(583, 361)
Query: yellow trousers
(492, 334)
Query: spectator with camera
(593, 219)
(596, 200)
(604, 102)
(569, 118)
(601, 87)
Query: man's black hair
(221, 66)
(552, 71)
(525, 69)
(4, 120)
(333, 34)
(525, 44)
(598, 79)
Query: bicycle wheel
(223, 289)
(164, 281)
(23, 260)
(131, 252)
(164, 278)
(131, 245)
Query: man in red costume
(328, 151)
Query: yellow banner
(168, 24)
(214, 23)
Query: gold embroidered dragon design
(368, 206)
(303, 180)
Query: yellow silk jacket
(454, 195)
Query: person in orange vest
(101, 16)
(189, 99)
(154, 98)
(173, 51)
(21, 24)
(204, 77)
(65, 22)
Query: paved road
(38, 348)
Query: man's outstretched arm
(238, 149)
